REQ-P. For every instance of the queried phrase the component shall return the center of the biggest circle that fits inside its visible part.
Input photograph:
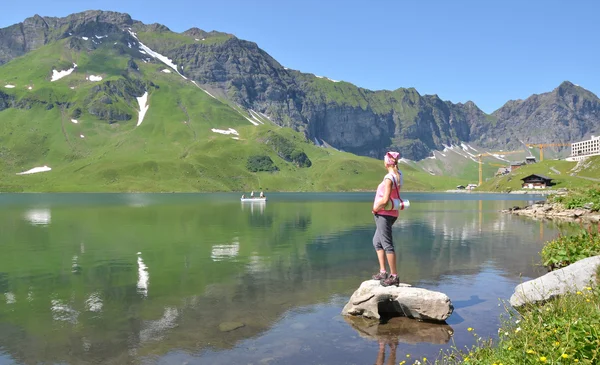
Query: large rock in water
(371, 300)
(569, 279)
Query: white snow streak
(229, 131)
(255, 116)
(142, 100)
(326, 78)
(167, 61)
(85, 38)
(167, 71)
(94, 78)
(500, 157)
(194, 82)
(9, 86)
(250, 120)
(82, 136)
(57, 75)
(35, 170)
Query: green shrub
(286, 150)
(261, 163)
(566, 250)
(580, 199)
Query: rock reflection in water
(401, 329)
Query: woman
(385, 209)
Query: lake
(205, 279)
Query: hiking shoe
(380, 276)
(391, 280)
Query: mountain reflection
(219, 264)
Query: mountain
(102, 69)
(568, 113)
(91, 104)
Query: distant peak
(566, 84)
(195, 32)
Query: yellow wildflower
(469, 329)
(556, 343)
(588, 288)
(564, 356)
(578, 293)
(530, 351)
(576, 360)
(407, 355)
(543, 358)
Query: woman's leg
(387, 241)
(391, 259)
(381, 258)
(379, 223)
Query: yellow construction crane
(542, 145)
(479, 156)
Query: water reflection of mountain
(199, 268)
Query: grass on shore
(549, 168)
(562, 331)
(581, 198)
(565, 330)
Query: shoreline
(554, 211)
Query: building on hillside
(536, 181)
(584, 149)
(502, 171)
(530, 159)
(472, 186)
(515, 165)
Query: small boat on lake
(254, 200)
(261, 198)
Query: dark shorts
(382, 240)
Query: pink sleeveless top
(393, 195)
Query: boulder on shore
(570, 279)
(372, 300)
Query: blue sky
(485, 51)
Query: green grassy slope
(567, 178)
(173, 149)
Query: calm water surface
(205, 279)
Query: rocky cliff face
(38, 31)
(336, 113)
(568, 113)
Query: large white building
(584, 149)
